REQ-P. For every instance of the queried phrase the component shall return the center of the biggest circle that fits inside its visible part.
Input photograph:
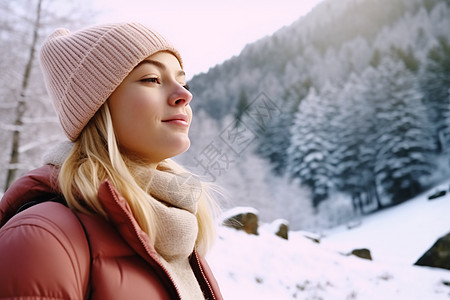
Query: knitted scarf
(175, 193)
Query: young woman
(110, 215)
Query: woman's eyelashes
(156, 80)
(150, 79)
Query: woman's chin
(186, 145)
(182, 146)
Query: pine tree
(241, 106)
(349, 139)
(371, 95)
(275, 141)
(434, 84)
(405, 154)
(309, 152)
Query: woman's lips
(180, 120)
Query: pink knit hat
(83, 68)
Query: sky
(207, 32)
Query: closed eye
(186, 86)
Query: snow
(400, 234)
(236, 211)
(269, 267)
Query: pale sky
(207, 32)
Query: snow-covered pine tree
(434, 83)
(404, 157)
(241, 106)
(351, 131)
(446, 133)
(366, 132)
(309, 152)
(367, 93)
(275, 141)
(276, 138)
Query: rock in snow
(438, 255)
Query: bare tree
(27, 117)
(21, 105)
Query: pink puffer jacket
(44, 252)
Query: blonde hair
(96, 157)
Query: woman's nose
(181, 96)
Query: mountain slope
(368, 77)
(268, 267)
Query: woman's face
(150, 109)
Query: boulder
(362, 253)
(437, 194)
(283, 231)
(281, 228)
(242, 218)
(438, 255)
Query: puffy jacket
(49, 252)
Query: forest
(342, 113)
(363, 89)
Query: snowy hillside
(268, 267)
(356, 101)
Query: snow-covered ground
(268, 267)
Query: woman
(110, 216)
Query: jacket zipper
(203, 274)
(146, 246)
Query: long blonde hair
(96, 157)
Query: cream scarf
(175, 193)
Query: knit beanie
(82, 69)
